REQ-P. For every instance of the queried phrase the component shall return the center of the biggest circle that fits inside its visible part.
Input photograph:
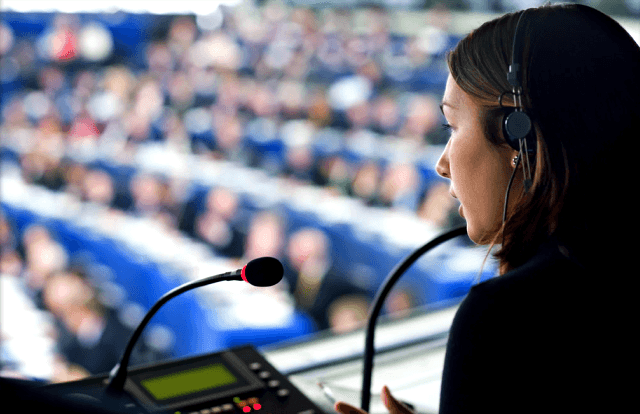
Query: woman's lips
(460, 210)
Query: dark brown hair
(581, 88)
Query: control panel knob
(273, 384)
(283, 393)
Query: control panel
(238, 380)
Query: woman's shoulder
(549, 267)
(546, 289)
(544, 318)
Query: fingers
(393, 405)
(344, 408)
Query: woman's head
(478, 168)
(581, 89)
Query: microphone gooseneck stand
(378, 301)
(118, 374)
(263, 272)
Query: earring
(514, 161)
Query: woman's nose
(442, 166)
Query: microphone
(263, 271)
(378, 301)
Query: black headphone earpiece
(517, 126)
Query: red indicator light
(257, 406)
(246, 409)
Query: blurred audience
(400, 187)
(266, 236)
(313, 280)
(98, 187)
(218, 224)
(400, 302)
(43, 256)
(89, 335)
(438, 207)
(347, 313)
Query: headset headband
(513, 76)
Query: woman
(552, 333)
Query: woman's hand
(394, 406)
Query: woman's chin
(481, 238)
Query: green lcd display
(188, 382)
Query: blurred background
(146, 144)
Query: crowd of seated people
(58, 324)
(311, 97)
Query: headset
(517, 123)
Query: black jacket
(549, 336)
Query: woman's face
(479, 171)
